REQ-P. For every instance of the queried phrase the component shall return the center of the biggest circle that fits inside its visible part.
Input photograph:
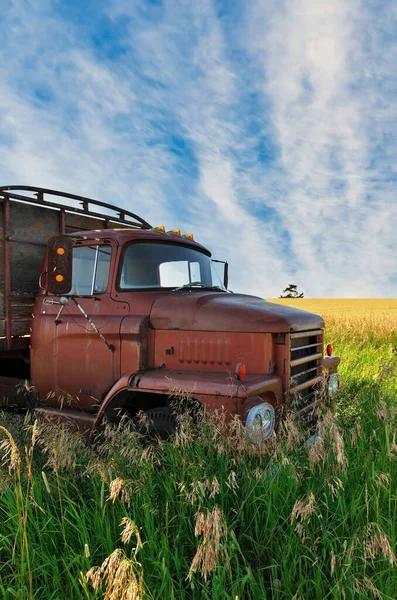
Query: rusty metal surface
(70, 356)
(216, 385)
(39, 195)
(201, 311)
(122, 236)
(25, 228)
(213, 390)
(212, 351)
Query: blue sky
(268, 128)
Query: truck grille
(305, 369)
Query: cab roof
(124, 235)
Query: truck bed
(26, 224)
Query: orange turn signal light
(329, 350)
(59, 278)
(61, 251)
(241, 371)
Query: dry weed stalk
(229, 436)
(123, 577)
(198, 490)
(375, 541)
(328, 430)
(290, 433)
(317, 452)
(393, 447)
(65, 448)
(118, 490)
(303, 508)
(366, 586)
(334, 486)
(179, 393)
(130, 529)
(11, 456)
(213, 529)
(122, 441)
(232, 482)
(383, 480)
(332, 563)
(186, 431)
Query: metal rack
(122, 216)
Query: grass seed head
(232, 482)
(213, 529)
(118, 489)
(376, 542)
(366, 586)
(332, 563)
(290, 435)
(121, 576)
(317, 451)
(303, 508)
(11, 455)
(130, 529)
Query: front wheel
(157, 422)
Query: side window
(91, 266)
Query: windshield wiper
(199, 286)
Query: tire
(157, 422)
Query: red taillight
(241, 371)
(329, 350)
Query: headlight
(260, 421)
(333, 384)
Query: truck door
(76, 346)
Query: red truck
(104, 313)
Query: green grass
(209, 515)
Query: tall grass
(208, 515)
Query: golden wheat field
(378, 315)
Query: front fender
(213, 390)
(120, 386)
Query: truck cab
(131, 317)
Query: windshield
(148, 265)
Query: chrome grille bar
(305, 368)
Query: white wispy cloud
(323, 92)
(312, 81)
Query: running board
(76, 419)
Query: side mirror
(225, 270)
(226, 275)
(59, 265)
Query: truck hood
(212, 311)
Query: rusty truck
(104, 314)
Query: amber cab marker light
(61, 251)
(329, 350)
(59, 278)
(189, 236)
(160, 228)
(241, 371)
(175, 231)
